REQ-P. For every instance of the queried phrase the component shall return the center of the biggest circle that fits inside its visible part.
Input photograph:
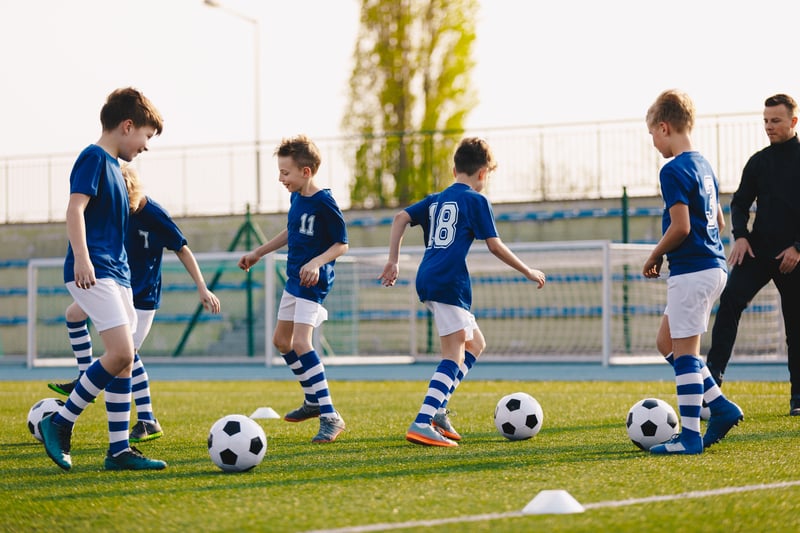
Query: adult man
(771, 249)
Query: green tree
(410, 94)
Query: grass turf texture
(372, 475)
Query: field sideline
(373, 480)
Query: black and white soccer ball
(651, 421)
(236, 443)
(518, 416)
(41, 409)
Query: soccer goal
(596, 306)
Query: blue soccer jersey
(315, 223)
(688, 179)
(97, 175)
(451, 220)
(149, 232)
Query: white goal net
(596, 306)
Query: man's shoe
(680, 444)
(427, 435)
(144, 430)
(304, 412)
(329, 428)
(63, 388)
(441, 421)
(56, 440)
(794, 407)
(132, 459)
(723, 418)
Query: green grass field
(371, 475)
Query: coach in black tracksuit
(771, 251)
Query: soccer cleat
(56, 440)
(441, 421)
(64, 388)
(304, 412)
(132, 459)
(723, 418)
(144, 430)
(680, 444)
(329, 428)
(427, 435)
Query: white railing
(536, 163)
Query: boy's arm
(502, 252)
(207, 298)
(76, 233)
(309, 273)
(391, 269)
(678, 230)
(278, 241)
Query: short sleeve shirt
(451, 220)
(150, 231)
(97, 175)
(315, 223)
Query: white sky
(537, 62)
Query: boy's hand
(210, 301)
(652, 267)
(389, 275)
(537, 276)
(247, 261)
(309, 274)
(84, 274)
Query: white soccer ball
(236, 443)
(518, 416)
(651, 421)
(41, 409)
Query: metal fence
(536, 163)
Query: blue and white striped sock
(438, 388)
(313, 377)
(94, 380)
(711, 390)
(140, 389)
(689, 380)
(118, 409)
(81, 342)
(294, 364)
(463, 369)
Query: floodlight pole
(257, 84)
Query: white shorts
(107, 303)
(144, 319)
(690, 299)
(452, 318)
(301, 311)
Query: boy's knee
(282, 345)
(74, 313)
(475, 347)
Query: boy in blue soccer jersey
(697, 272)
(97, 277)
(451, 220)
(316, 236)
(150, 230)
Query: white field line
(597, 505)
